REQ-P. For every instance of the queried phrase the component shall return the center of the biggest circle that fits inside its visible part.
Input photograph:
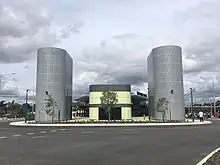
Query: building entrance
(115, 114)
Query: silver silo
(54, 76)
(165, 80)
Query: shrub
(103, 121)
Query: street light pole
(26, 98)
(33, 98)
(191, 93)
(26, 105)
(213, 91)
(147, 106)
(203, 89)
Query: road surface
(107, 146)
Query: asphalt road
(107, 146)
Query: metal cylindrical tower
(166, 81)
(54, 77)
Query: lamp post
(203, 89)
(191, 93)
(26, 105)
(213, 94)
(149, 112)
(26, 98)
(32, 110)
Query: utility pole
(191, 93)
(33, 99)
(26, 99)
(213, 92)
(203, 89)
(213, 95)
(210, 99)
(26, 105)
(149, 112)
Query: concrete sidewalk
(23, 124)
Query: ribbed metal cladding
(54, 74)
(165, 73)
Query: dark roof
(110, 87)
(134, 98)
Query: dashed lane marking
(63, 129)
(3, 137)
(37, 137)
(53, 130)
(129, 129)
(17, 135)
(43, 132)
(87, 132)
(30, 133)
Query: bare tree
(51, 104)
(162, 106)
(108, 100)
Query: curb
(208, 156)
(23, 124)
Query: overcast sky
(115, 33)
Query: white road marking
(88, 132)
(30, 133)
(63, 129)
(37, 137)
(129, 129)
(53, 130)
(17, 135)
(43, 132)
(3, 137)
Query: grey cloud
(8, 93)
(204, 10)
(75, 28)
(207, 66)
(13, 24)
(126, 37)
(202, 96)
(203, 46)
(80, 89)
(13, 96)
(130, 79)
(25, 27)
(23, 98)
(121, 59)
